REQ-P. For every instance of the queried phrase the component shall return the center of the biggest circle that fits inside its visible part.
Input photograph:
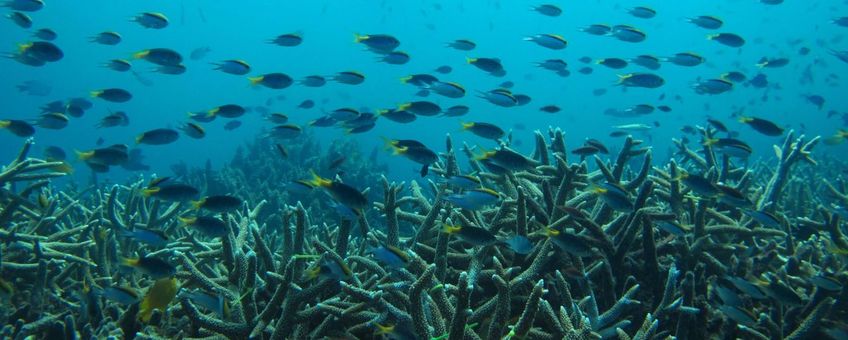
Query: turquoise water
(512, 237)
(423, 27)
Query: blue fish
(213, 303)
(152, 237)
(520, 245)
(474, 199)
(391, 256)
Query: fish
(398, 116)
(276, 81)
(699, 184)
(712, 86)
(121, 295)
(462, 45)
(119, 65)
(286, 131)
(688, 59)
(570, 243)
(464, 181)
(24, 5)
(613, 63)
(730, 146)
(508, 159)
(200, 52)
(116, 154)
(160, 136)
(150, 266)
(342, 193)
(160, 56)
(765, 218)
(232, 125)
(349, 77)
(217, 203)
(173, 192)
(550, 109)
(421, 108)
(473, 235)
(20, 19)
(328, 269)
(207, 225)
(597, 29)
(193, 130)
(727, 39)
(644, 80)
(395, 58)
(474, 199)
(642, 12)
(761, 125)
(706, 21)
(19, 128)
(550, 10)
(392, 257)
(550, 41)
(628, 33)
(313, 81)
(614, 195)
(158, 296)
(114, 95)
(108, 38)
(52, 121)
(233, 66)
(485, 130)
(381, 43)
(215, 303)
(492, 66)
(152, 237)
(519, 244)
(152, 20)
(287, 39)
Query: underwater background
(506, 169)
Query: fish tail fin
(255, 80)
(150, 191)
(485, 154)
(451, 229)
(466, 126)
(470, 60)
(710, 141)
(128, 262)
(388, 144)
(84, 155)
(197, 204)
(187, 220)
(5, 123)
(312, 273)
(406, 79)
(384, 329)
(95, 94)
(141, 54)
(358, 38)
(319, 181)
(551, 232)
(24, 47)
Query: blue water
(238, 30)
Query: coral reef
(729, 274)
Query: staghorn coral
(640, 282)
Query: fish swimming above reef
(550, 170)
